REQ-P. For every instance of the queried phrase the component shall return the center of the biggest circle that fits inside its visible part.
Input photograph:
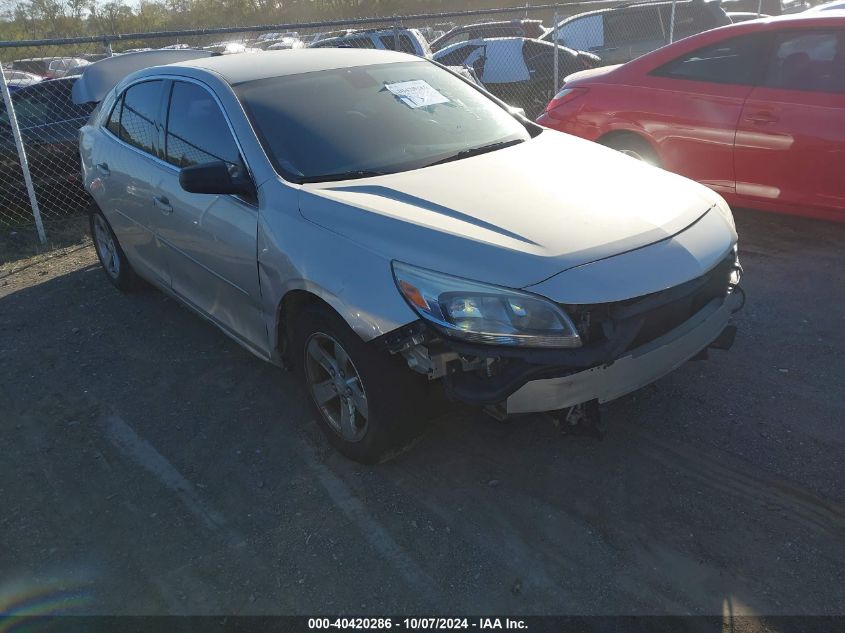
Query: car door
(128, 168)
(210, 240)
(698, 99)
(790, 142)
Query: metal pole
(27, 177)
(759, 7)
(554, 40)
(396, 34)
(672, 23)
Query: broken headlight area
(486, 374)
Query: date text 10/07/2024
(419, 623)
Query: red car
(755, 111)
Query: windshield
(370, 120)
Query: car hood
(512, 217)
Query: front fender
(294, 254)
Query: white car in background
(391, 231)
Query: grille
(661, 311)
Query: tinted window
(463, 36)
(808, 61)
(690, 18)
(405, 43)
(113, 124)
(582, 34)
(383, 117)
(138, 115)
(197, 131)
(632, 26)
(457, 56)
(733, 61)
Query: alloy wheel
(336, 387)
(106, 248)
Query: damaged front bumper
(628, 345)
(637, 368)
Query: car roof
(242, 67)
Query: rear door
(211, 240)
(128, 169)
(790, 143)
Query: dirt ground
(150, 466)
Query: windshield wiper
(475, 151)
(344, 175)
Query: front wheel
(110, 254)
(635, 147)
(368, 403)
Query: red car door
(790, 142)
(701, 97)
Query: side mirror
(217, 178)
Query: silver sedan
(391, 231)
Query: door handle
(162, 204)
(762, 116)
(103, 169)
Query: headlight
(480, 313)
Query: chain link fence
(521, 55)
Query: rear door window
(405, 43)
(138, 116)
(582, 34)
(812, 62)
(458, 56)
(632, 26)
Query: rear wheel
(633, 146)
(110, 254)
(368, 403)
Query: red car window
(808, 61)
(732, 61)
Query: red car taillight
(565, 96)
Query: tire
(112, 258)
(635, 147)
(371, 406)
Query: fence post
(107, 46)
(759, 7)
(27, 177)
(396, 34)
(672, 23)
(555, 42)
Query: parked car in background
(518, 70)
(744, 16)
(836, 5)
(756, 111)
(622, 33)
(409, 40)
(17, 79)
(49, 123)
(509, 28)
(389, 230)
(283, 43)
(769, 7)
(50, 67)
(229, 48)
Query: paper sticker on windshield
(416, 94)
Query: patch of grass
(22, 243)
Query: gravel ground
(152, 466)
